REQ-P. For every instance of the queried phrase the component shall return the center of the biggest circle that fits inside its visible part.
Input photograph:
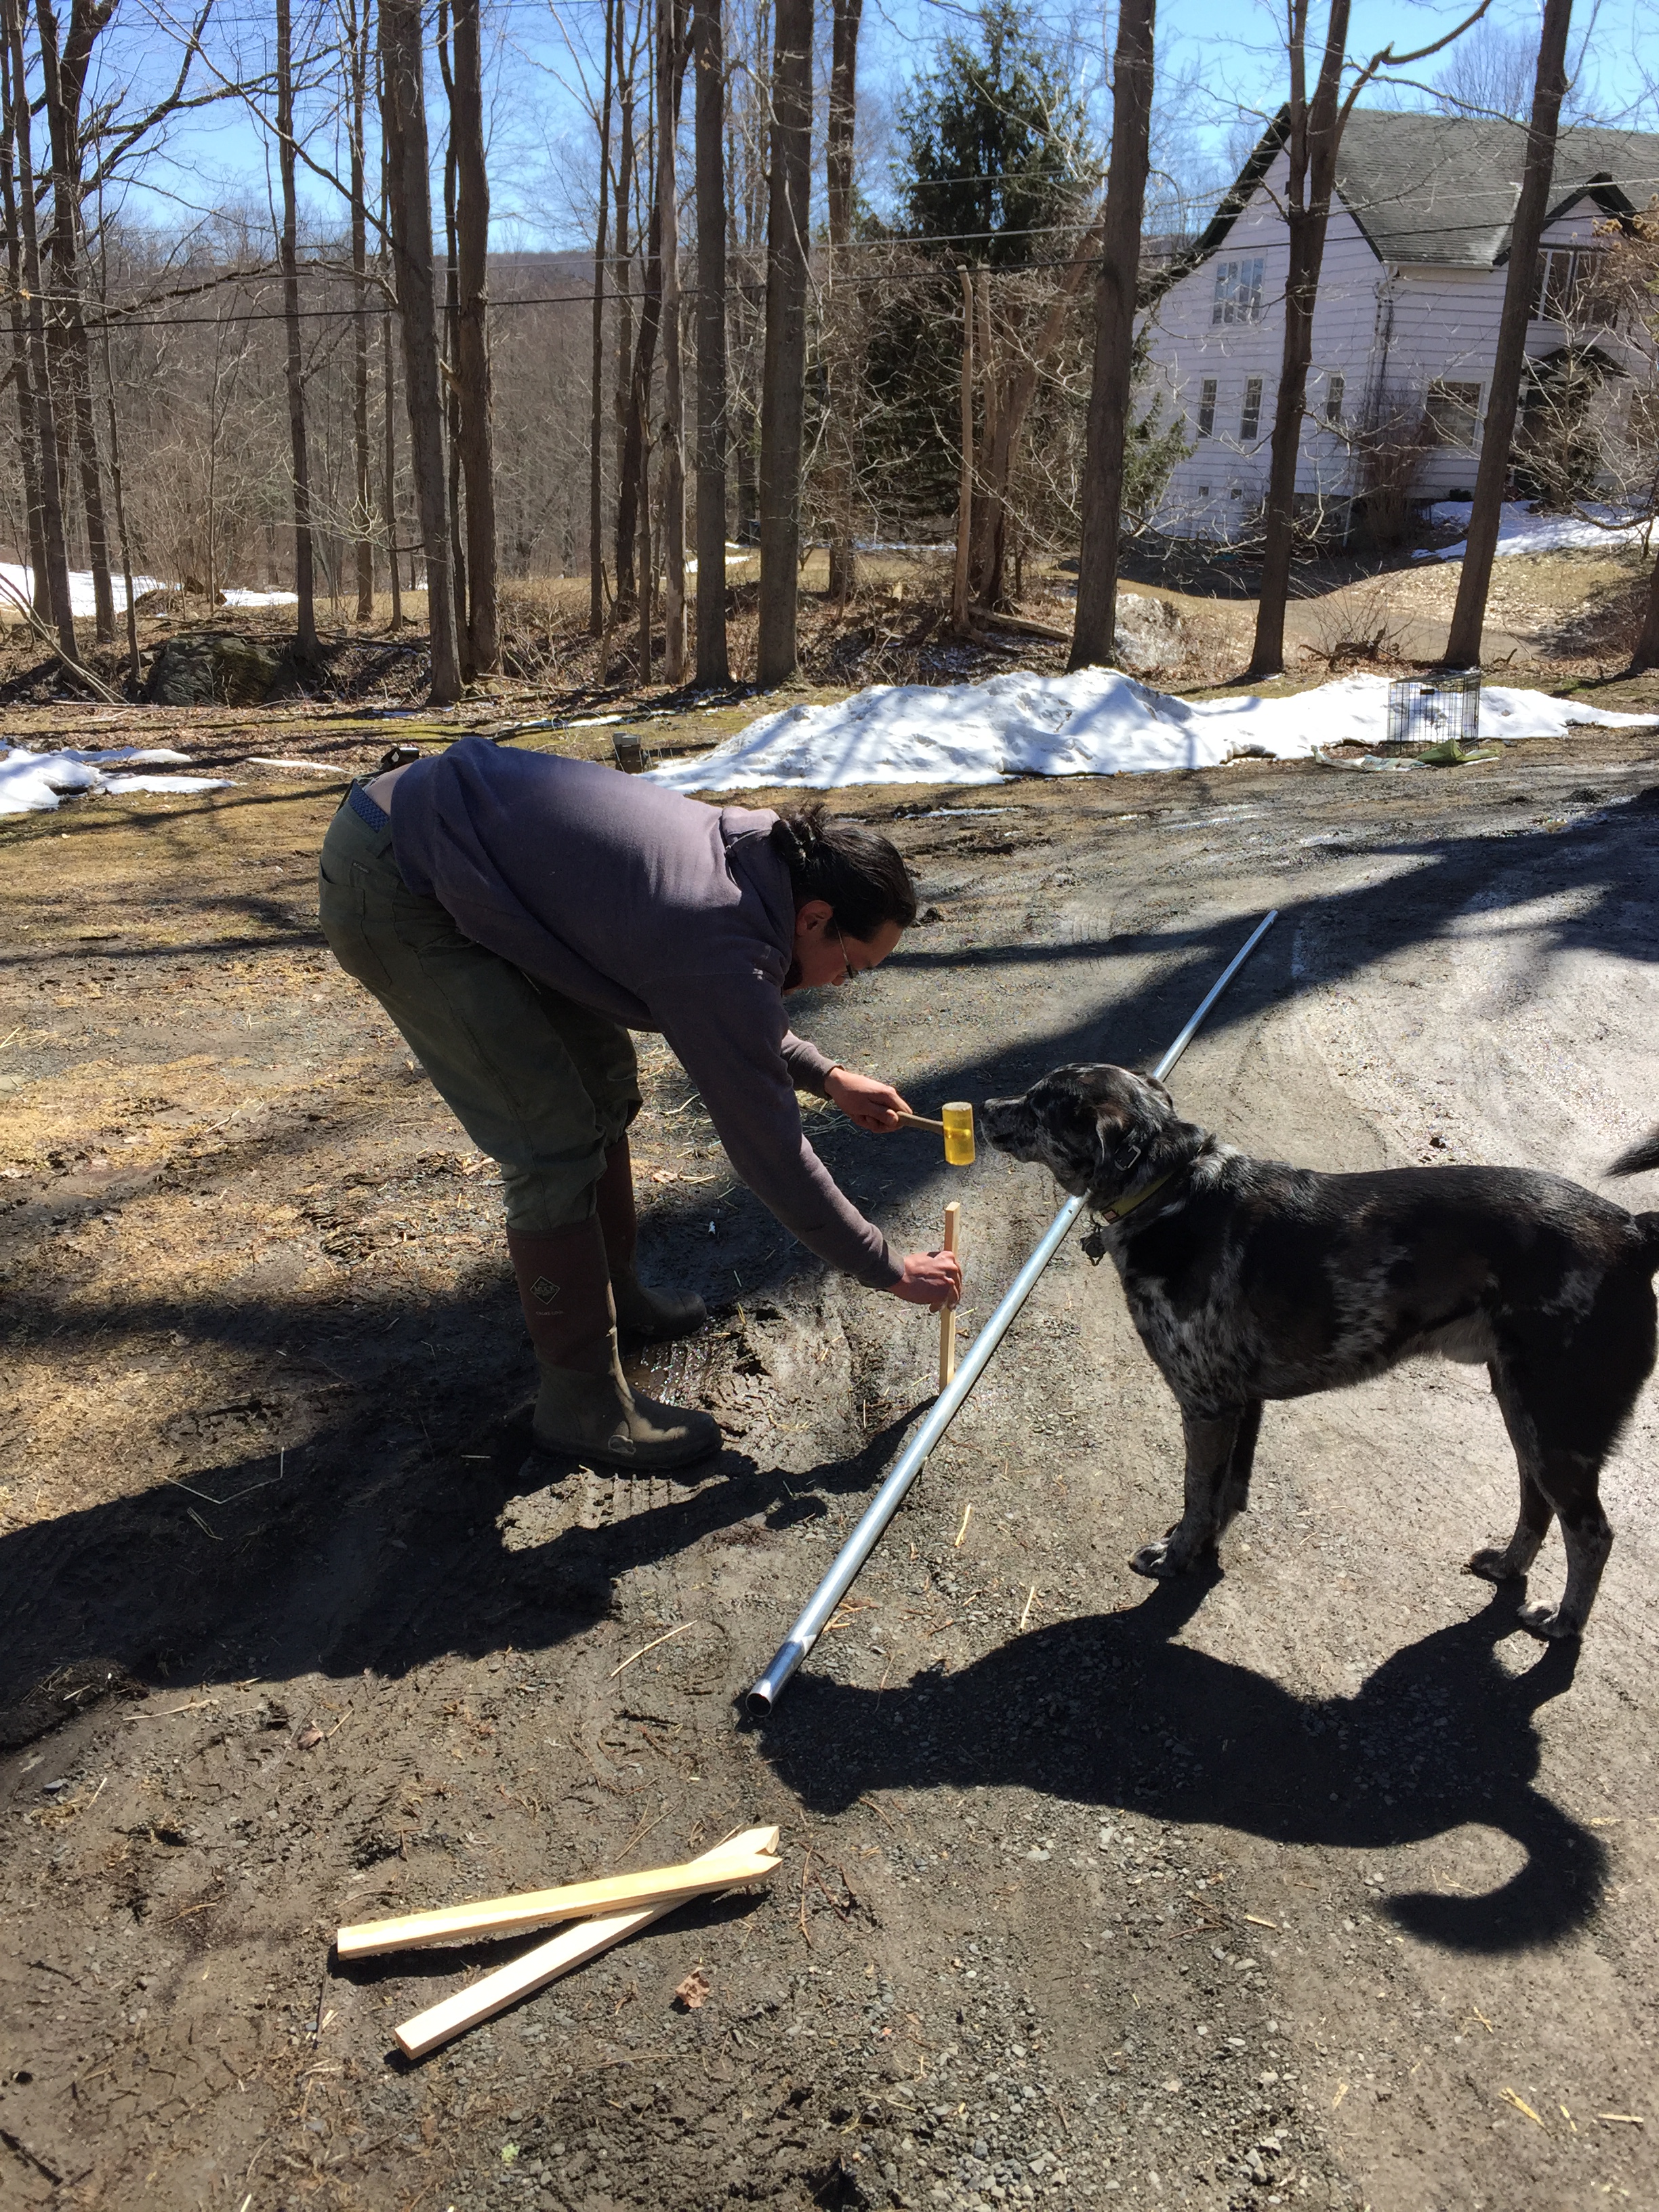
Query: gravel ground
(1311, 1882)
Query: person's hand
(873, 1106)
(930, 1279)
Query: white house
(1416, 259)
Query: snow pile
(1521, 530)
(240, 599)
(32, 783)
(17, 585)
(1094, 722)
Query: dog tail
(1640, 1158)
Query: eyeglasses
(847, 970)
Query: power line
(552, 300)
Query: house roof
(1442, 189)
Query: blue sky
(1220, 63)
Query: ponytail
(859, 875)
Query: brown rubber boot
(585, 1407)
(656, 1315)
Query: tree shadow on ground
(375, 1550)
(367, 1546)
(1111, 1711)
(1608, 867)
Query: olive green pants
(541, 1084)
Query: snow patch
(17, 585)
(1521, 530)
(1096, 721)
(33, 783)
(241, 599)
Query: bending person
(516, 914)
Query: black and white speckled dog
(1250, 1279)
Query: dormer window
(1565, 275)
(1237, 293)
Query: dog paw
(1493, 1566)
(1545, 1622)
(1155, 1560)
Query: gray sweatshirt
(661, 912)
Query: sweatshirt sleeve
(807, 1066)
(729, 1034)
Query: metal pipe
(882, 1507)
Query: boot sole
(650, 1459)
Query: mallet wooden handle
(547, 1961)
(919, 1121)
(576, 1900)
(947, 1320)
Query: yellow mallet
(957, 1128)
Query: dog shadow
(1110, 1711)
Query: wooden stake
(947, 1320)
(576, 1900)
(547, 1961)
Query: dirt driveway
(1315, 1883)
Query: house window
(1565, 274)
(1237, 293)
(1454, 414)
(1206, 407)
(1334, 388)
(1249, 423)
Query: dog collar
(1095, 1243)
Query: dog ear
(1119, 1146)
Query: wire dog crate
(1433, 710)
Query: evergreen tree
(997, 149)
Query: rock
(210, 668)
(1150, 633)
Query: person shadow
(350, 1552)
(1110, 1712)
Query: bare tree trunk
(389, 402)
(1316, 135)
(28, 446)
(1314, 142)
(1008, 419)
(389, 491)
(633, 516)
(472, 342)
(451, 351)
(1504, 393)
(634, 489)
(363, 519)
(671, 78)
(708, 32)
(842, 348)
(987, 523)
(965, 479)
(783, 376)
(64, 76)
(55, 547)
(1093, 634)
(304, 581)
(626, 488)
(135, 666)
(596, 380)
(403, 116)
